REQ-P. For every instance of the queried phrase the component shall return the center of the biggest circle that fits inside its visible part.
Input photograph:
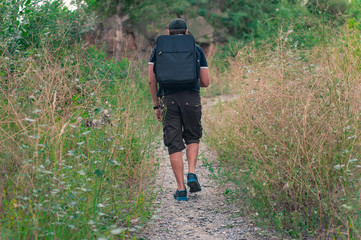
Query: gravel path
(206, 214)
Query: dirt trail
(206, 214)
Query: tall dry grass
(62, 174)
(291, 142)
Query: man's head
(177, 26)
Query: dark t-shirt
(200, 57)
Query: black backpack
(176, 65)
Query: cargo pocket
(172, 126)
(192, 115)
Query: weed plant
(290, 143)
(64, 175)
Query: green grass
(60, 178)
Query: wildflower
(338, 166)
(117, 231)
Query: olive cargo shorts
(182, 112)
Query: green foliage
(33, 23)
(241, 19)
(301, 24)
(142, 12)
(244, 17)
(334, 7)
(261, 20)
(105, 7)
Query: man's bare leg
(192, 155)
(176, 161)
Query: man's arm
(152, 81)
(204, 77)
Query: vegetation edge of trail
(289, 142)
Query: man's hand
(158, 115)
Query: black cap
(177, 23)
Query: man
(181, 116)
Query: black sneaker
(181, 195)
(192, 182)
